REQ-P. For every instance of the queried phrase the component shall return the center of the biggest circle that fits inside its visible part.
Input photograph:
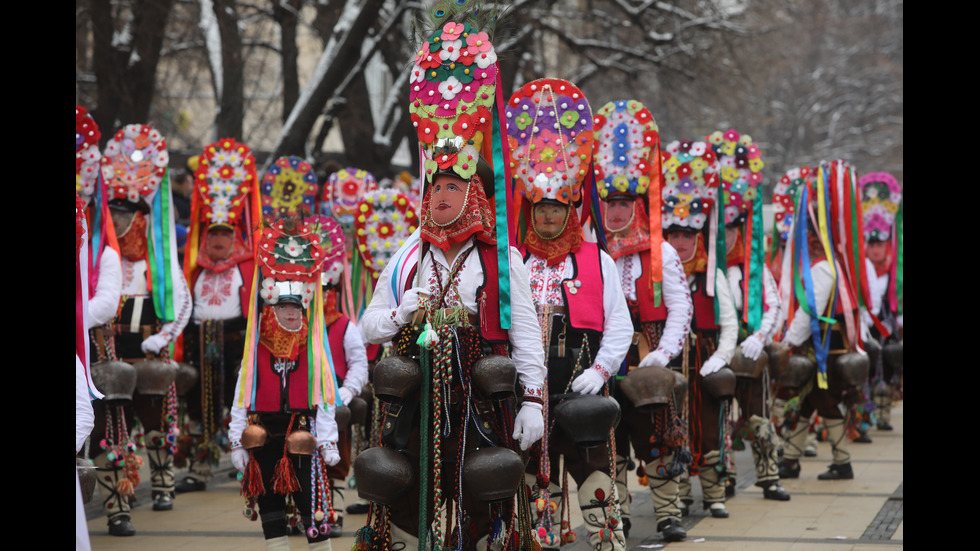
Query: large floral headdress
(740, 166)
(691, 184)
(880, 196)
(288, 189)
(343, 191)
(135, 163)
(385, 219)
(549, 127)
(87, 155)
(784, 199)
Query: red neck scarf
(699, 262)
(330, 312)
(282, 343)
(736, 255)
(132, 244)
(633, 238)
(476, 219)
(555, 250)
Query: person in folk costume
(283, 432)
(459, 275)
(219, 263)
(756, 301)
(85, 390)
(549, 123)
(691, 217)
(155, 304)
(828, 282)
(629, 177)
(784, 198)
(881, 204)
(349, 356)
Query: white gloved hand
(408, 305)
(752, 347)
(655, 359)
(239, 458)
(713, 364)
(330, 456)
(346, 395)
(528, 425)
(589, 382)
(865, 332)
(154, 344)
(900, 320)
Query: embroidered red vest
(644, 294)
(335, 334)
(268, 394)
(704, 306)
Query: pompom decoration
(134, 163)
(384, 220)
(740, 166)
(87, 155)
(225, 174)
(290, 251)
(288, 188)
(691, 182)
(880, 196)
(549, 128)
(784, 198)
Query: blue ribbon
(500, 206)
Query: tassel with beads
(252, 485)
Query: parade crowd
(557, 295)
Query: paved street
(861, 514)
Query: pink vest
(583, 292)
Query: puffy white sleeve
(326, 425)
(103, 305)
(799, 330)
(677, 298)
(773, 305)
(239, 417)
(727, 319)
(84, 414)
(617, 326)
(357, 364)
(378, 320)
(524, 334)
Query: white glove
(865, 332)
(529, 425)
(409, 304)
(713, 364)
(346, 395)
(154, 344)
(900, 320)
(330, 456)
(655, 359)
(752, 347)
(589, 382)
(239, 458)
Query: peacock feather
(480, 14)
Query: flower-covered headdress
(225, 195)
(549, 127)
(288, 189)
(628, 165)
(334, 251)
(135, 163)
(691, 184)
(385, 219)
(740, 166)
(87, 155)
(880, 197)
(343, 191)
(784, 199)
